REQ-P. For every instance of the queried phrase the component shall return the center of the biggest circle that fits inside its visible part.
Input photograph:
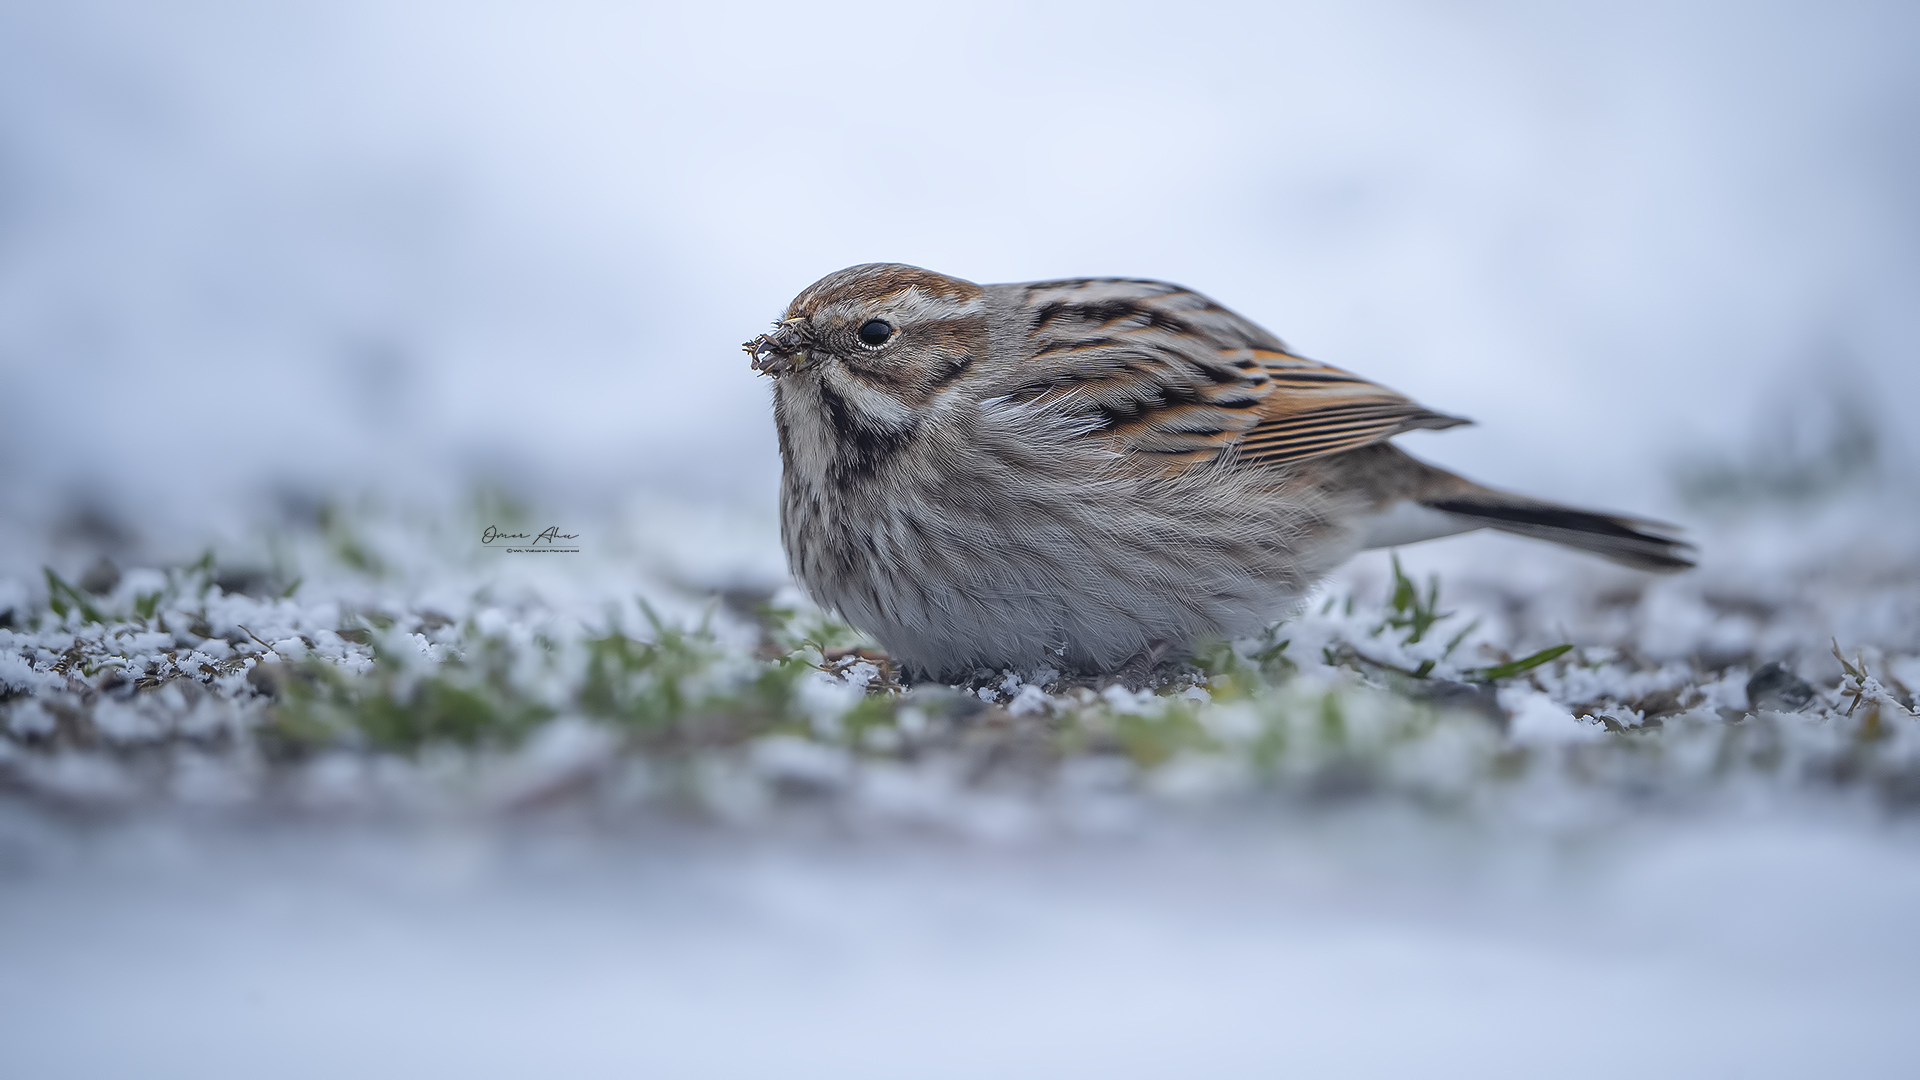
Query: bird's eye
(875, 332)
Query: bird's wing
(1167, 374)
(1313, 409)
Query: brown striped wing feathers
(1165, 372)
(1311, 410)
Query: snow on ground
(390, 801)
(378, 661)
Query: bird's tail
(1643, 545)
(1420, 501)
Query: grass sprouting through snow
(1359, 698)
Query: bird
(1093, 474)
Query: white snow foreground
(414, 677)
(434, 814)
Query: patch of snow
(1028, 700)
(1537, 719)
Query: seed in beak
(782, 351)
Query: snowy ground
(443, 807)
(376, 662)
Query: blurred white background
(407, 246)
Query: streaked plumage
(1082, 473)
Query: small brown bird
(1092, 473)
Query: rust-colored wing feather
(1164, 372)
(1311, 410)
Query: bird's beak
(784, 350)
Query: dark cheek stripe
(839, 413)
(859, 448)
